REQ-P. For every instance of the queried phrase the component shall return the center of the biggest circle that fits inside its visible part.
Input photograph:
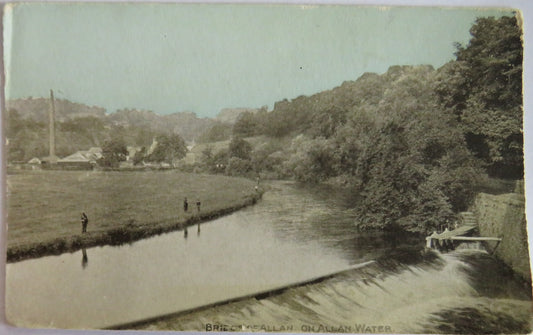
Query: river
(293, 234)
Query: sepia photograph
(280, 168)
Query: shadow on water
(478, 321)
(503, 303)
(492, 278)
(325, 214)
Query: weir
(258, 296)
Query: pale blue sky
(202, 58)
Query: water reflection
(84, 258)
(325, 214)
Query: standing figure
(84, 222)
(198, 204)
(185, 205)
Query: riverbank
(123, 207)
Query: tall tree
(114, 151)
(483, 88)
(218, 132)
(246, 125)
(240, 148)
(410, 159)
(168, 149)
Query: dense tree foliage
(246, 125)
(113, 152)
(218, 132)
(268, 157)
(169, 148)
(240, 148)
(483, 88)
(409, 161)
(139, 156)
(239, 157)
(412, 141)
(28, 138)
(24, 138)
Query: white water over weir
(257, 295)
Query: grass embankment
(44, 207)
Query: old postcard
(265, 168)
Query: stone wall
(504, 216)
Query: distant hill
(186, 124)
(37, 109)
(230, 115)
(79, 127)
(319, 114)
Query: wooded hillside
(413, 141)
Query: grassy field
(44, 207)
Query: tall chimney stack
(51, 117)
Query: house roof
(91, 155)
(76, 157)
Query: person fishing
(84, 222)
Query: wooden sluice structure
(447, 240)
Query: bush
(238, 167)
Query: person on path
(84, 222)
(198, 204)
(185, 205)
